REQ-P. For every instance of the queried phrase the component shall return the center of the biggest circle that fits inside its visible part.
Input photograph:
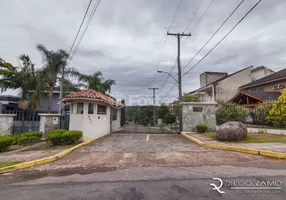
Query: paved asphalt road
(165, 189)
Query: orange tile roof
(91, 94)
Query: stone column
(6, 124)
(198, 113)
(49, 122)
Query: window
(101, 109)
(79, 108)
(71, 108)
(114, 114)
(90, 108)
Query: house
(260, 90)
(221, 87)
(8, 102)
(93, 113)
(43, 107)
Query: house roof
(261, 67)
(280, 75)
(90, 94)
(263, 96)
(221, 79)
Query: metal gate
(136, 128)
(24, 121)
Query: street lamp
(180, 95)
(159, 71)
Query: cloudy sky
(126, 38)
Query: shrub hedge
(202, 128)
(57, 131)
(6, 141)
(26, 141)
(32, 134)
(61, 136)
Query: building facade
(268, 88)
(221, 87)
(93, 113)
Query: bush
(60, 131)
(32, 134)
(202, 128)
(5, 142)
(62, 137)
(71, 136)
(277, 113)
(261, 112)
(25, 141)
(231, 112)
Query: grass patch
(50, 146)
(6, 164)
(254, 138)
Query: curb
(42, 160)
(272, 154)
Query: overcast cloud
(126, 38)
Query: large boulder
(231, 131)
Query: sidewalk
(25, 156)
(270, 131)
(277, 147)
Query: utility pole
(154, 102)
(179, 36)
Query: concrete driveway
(133, 150)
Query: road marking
(147, 138)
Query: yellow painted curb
(272, 154)
(243, 150)
(193, 139)
(216, 146)
(42, 160)
(238, 149)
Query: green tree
(26, 78)
(191, 98)
(96, 82)
(169, 118)
(231, 112)
(277, 114)
(163, 110)
(54, 69)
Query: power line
(168, 30)
(186, 42)
(190, 21)
(80, 27)
(223, 38)
(174, 65)
(202, 16)
(170, 89)
(88, 23)
(213, 34)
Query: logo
(116, 97)
(217, 188)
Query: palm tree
(55, 70)
(31, 83)
(96, 82)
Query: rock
(231, 131)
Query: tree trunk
(61, 91)
(22, 121)
(33, 119)
(50, 96)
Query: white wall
(92, 125)
(229, 87)
(116, 123)
(260, 73)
